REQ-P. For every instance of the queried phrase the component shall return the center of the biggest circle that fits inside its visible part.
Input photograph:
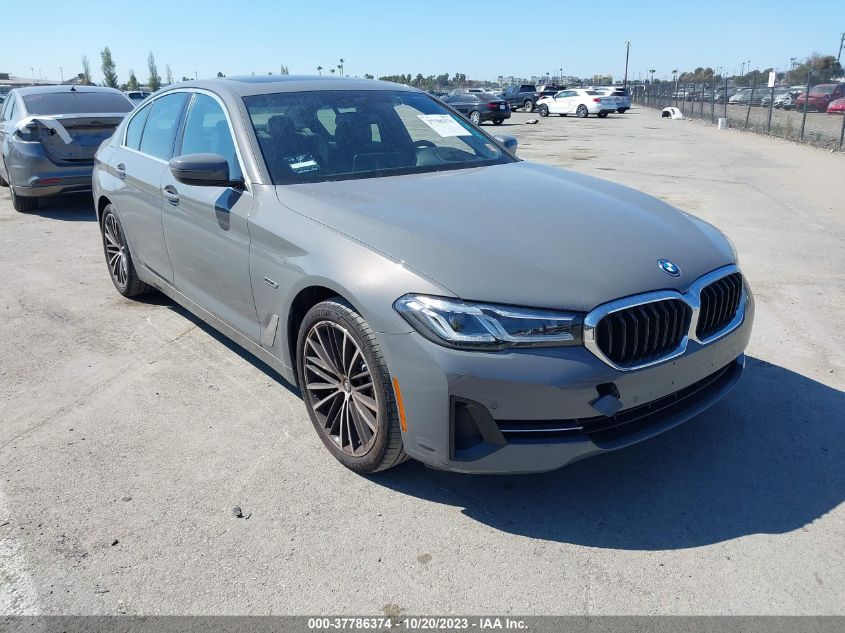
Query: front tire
(23, 204)
(475, 117)
(543, 110)
(528, 105)
(581, 112)
(347, 388)
(118, 258)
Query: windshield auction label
(444, 125)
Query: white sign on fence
(772, 78)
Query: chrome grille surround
(692, 298)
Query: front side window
(207, 132)
(76, 102)
(135, 128)
(160, 131)
(337, 135)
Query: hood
(520, 233)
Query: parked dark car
(480, 106)
(820, 97)
(523, 96)
(48, 137)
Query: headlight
(488, 327)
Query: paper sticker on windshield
(444, 125)
(302, 163)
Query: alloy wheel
(116, 253)
(475, 117)
(340, 388)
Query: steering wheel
(424, 143)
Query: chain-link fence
(781, 111)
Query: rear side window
(207, 132)
(160, 131)
(78, 102)
(136, 127)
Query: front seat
(287, 145)
(353, 136)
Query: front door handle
(171, 194)
(121, 171)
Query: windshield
(823, 90)
(337, 135)
(76, 103)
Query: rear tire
(338, 352)
(118, 258)
(543, 110)
(498, 121)
(602, 115)
(528, 105)
(622, 110)
(581, 112)
(475, 117)
(23, 204)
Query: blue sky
(482, 39)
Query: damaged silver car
(48, 137)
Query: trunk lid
(73, 138)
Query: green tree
(132, 84)
(154, 81)
(369, 76)
(824, 69)
(108, 67)
(168, 74)
(284, 70)
(86, 72)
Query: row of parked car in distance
(480, 105)
(828, 97)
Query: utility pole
(841, 44)
(627, 52)
(62, 74)
(792, 62)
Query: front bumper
(543, 386)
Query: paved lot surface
(130, 422)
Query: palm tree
(341, 66)
(332, 71)
(319, 70)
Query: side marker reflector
(400, 405)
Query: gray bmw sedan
(367, 242)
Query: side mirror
(508, 141)
(209, 170)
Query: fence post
(842, 133)
(726, 99)
(750, 99)
(713, 101)
(771, 107)
(806, 103)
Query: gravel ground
(129, 431)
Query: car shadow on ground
(77, 207)
(160, 299)
(766, 459)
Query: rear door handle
(171, 194)
(121, 171)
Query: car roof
(268, 84)
(54, 89)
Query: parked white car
(578, 101)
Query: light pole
(627, 53)
(841, 44)
(341, 66)
(652, 71)
(792, 63)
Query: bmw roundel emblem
(669, 267)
